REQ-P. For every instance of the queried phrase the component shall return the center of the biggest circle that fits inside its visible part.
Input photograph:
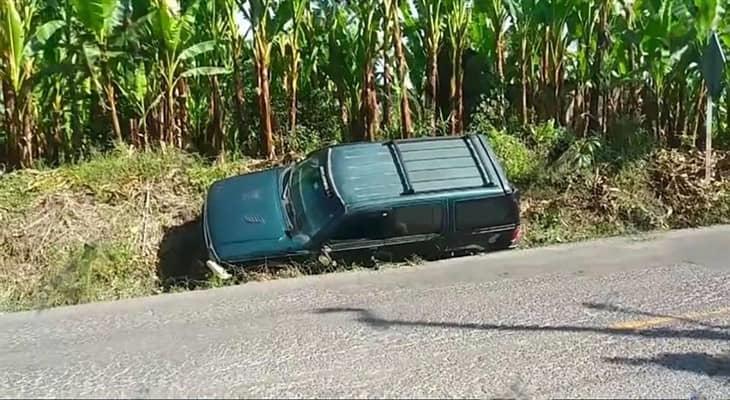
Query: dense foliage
(270, 76)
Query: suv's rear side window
(477, 214)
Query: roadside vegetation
(116, 115)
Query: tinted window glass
(404, 221)
(484, 213)
(370, 226)
(415, 220)
(311, 207)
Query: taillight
(516, 235)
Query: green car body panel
(383, 199)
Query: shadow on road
(699, 363)
(181, 256)
(632, 311)
(368, 317)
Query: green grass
(124, 224)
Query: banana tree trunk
(215, 117)
(679, 115)
(160, 119)
(167, 123)
(457, 92)
(56, 139)
(369, 104)
(525, 83)
(460, 96)
(135, 133)
(293, 108)
(727, 115)
(181, 117)
(387, 91)
(559, 78)
(699, 114)
(3, 125)
(267, 134)
(500, 56)
(27, 147)
(239, 100)
(597, 65)
(405, 108)
(111, 98)
(12, 125)
(19, 126)
(344, 116)
(432, 87)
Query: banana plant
(297, 20)
(431, 16)
(368, 17)
(489, 31)
(522, 19)
(458, 20)
(261, 15)
(488, 34)
(19, 49)
(234, 35)
(552, 17)
(710, 16)
(101, 18)
(664, 44)
(174, 29)
(393, 18)
(335, 23)
(353, 44)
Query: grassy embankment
(125, 224)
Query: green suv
(365, 201)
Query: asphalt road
(627, 318)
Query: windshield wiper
(287, 182)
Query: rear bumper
(518, 231)
(517, 234)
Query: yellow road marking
(650, 323)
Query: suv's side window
(369, 226)
(415, 220)
(401, 221)
(482, 213)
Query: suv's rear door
(482, 223)
(392, 233)
(358, 236)
(415, 229)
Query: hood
(244, 217)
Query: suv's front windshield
(309, 205)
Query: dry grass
(99, 230)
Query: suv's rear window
(484, 213)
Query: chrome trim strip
(495, 229)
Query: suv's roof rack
(416, 159)
(401, 166)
